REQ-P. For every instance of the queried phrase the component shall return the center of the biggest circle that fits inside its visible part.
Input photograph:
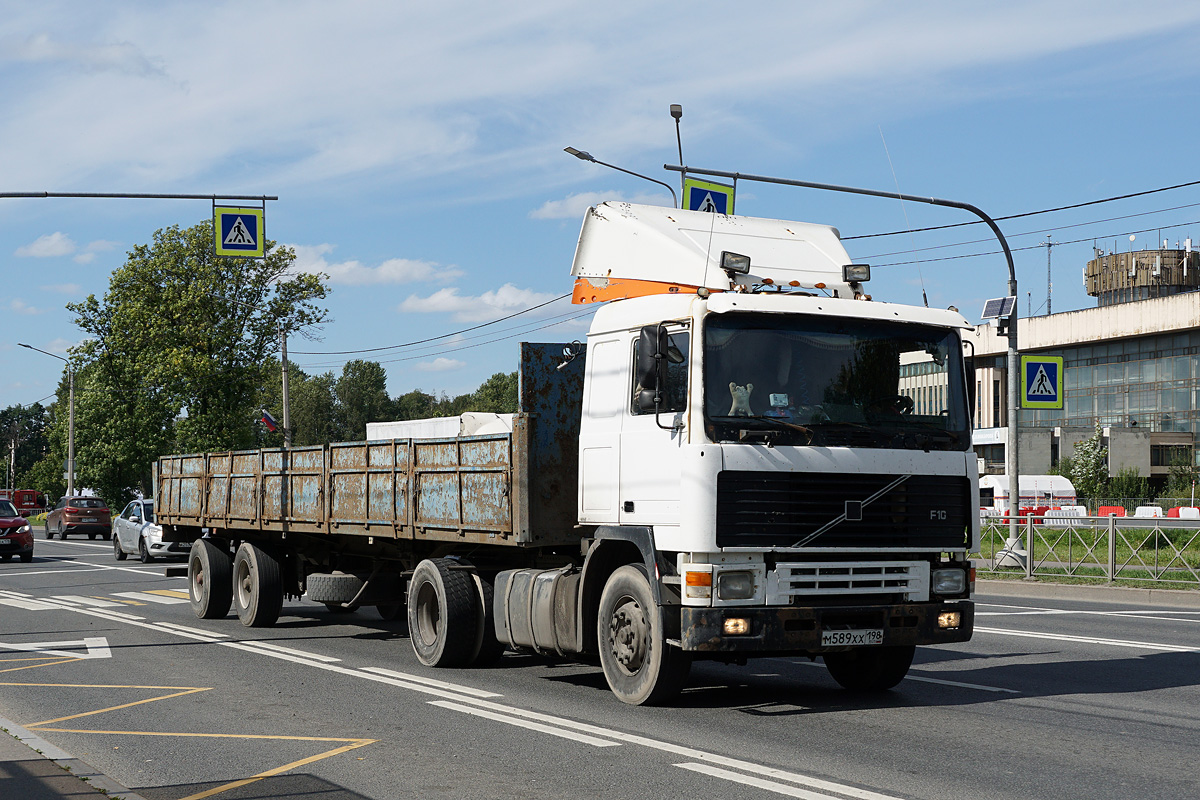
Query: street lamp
(70, 417)
(584, 155)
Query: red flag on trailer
(268, 420)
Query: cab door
(651, 443)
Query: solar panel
(998, 307)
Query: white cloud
(50, 245)
(118, 57)
(62, 288)
(479, 308)
(572, 206)
(440, 365)
(18, 306)
(311, 258)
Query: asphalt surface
(1063, 691)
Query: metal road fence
(1162, 550)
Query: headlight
(948, 581)
(735, 585)
(26, 528)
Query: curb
(74, 766)
(1187, 598)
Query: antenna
(677, 113)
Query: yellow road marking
(119, 600)
(181, 691)
(170, 593)
(34, 666)
(356, 743)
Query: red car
(88, 515)
(16, 536)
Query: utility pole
(287, 414)
(1049, 285)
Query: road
(1052, 698)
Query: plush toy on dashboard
(741, 400)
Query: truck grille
(790, 581)
(783, 509)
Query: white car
(136, 533)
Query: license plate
(88, 519)
(858, 637)
(5, 541)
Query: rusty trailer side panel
(513, 488)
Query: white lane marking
(193, 631)
(1065, 637)
(28, 605)
(960, 684)
(93, 647)
(79, 568)
(770, 786)
(281, 649)
(911, 677)
(1137, 613)
(430, 682)
(86, 601)
(146, 597)
(520, 723)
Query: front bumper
(797, 629)
(16, 545)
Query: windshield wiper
(773, 420)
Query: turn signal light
(699, 579)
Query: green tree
(1089, 466)
(1128, 484)
(23, 429)
(362, 397)
(177, 349)
(498, 394)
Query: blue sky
(416, 148)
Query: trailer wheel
(442, 622)
(640, 667)
(210, 579)
(257, 586)
(870, 669)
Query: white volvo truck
(731, 467)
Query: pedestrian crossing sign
(707, 196)
(1042, 378)
(239, 232)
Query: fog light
(735, 585)
(946, 619)
(737, 626)
(948, 581)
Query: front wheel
(210, 579)
(143, 552)
(49, 533)
(640, 667)
(118, 553)
(870, 669)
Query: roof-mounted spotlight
(856, 273)
(735, 263)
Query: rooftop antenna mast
(677, 113)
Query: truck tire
(210, 579)
(257, 586)
(870, 669)
(640, 667)
(442, 624)
(488, 648)
(335, 588)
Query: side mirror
(652, 351)
(969, 363)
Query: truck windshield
(831, 381)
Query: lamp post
(583, 155)
(70, 417)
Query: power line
(1029, 213)
(1034, 233)
(430, 339)
(1039, 245)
